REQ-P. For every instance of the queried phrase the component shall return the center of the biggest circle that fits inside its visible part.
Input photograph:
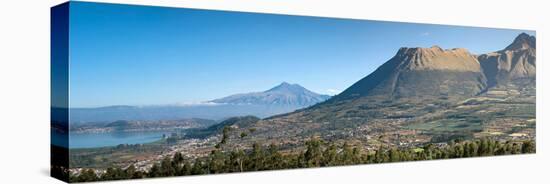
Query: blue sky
(140, 55)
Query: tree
(380, 156)
(484, 147)
(225, 136)
(528, 147)
(87, 175)
(256, 158)
(243, 134)
(178, 159)
(458, 150)
(114, 174)
(330, 156)
(274, 159)
(394, 155)
(166, 167)
(154, 171)
(132, 173)
(349, 155)
(516, 148)
(217, 162)
(473, 148)
(197, 168)
(314, 154)
(178, 163)
(356, 156)
(237, 161)
(185, 169)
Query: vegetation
(215, 129)
(317, 153)
(107, 156)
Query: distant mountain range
(141, 125)
(283, 94)
(283, 98)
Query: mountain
(284, 94)
(424, 72)
(515, 63)
(283, 98)
(420, 95)
(414, 72)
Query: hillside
(415, 72)
(421, 95)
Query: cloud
(425, 34)
(197, 103)
(333, 91)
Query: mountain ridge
(515, 62)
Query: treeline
(316, 154)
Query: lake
(94, 140)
